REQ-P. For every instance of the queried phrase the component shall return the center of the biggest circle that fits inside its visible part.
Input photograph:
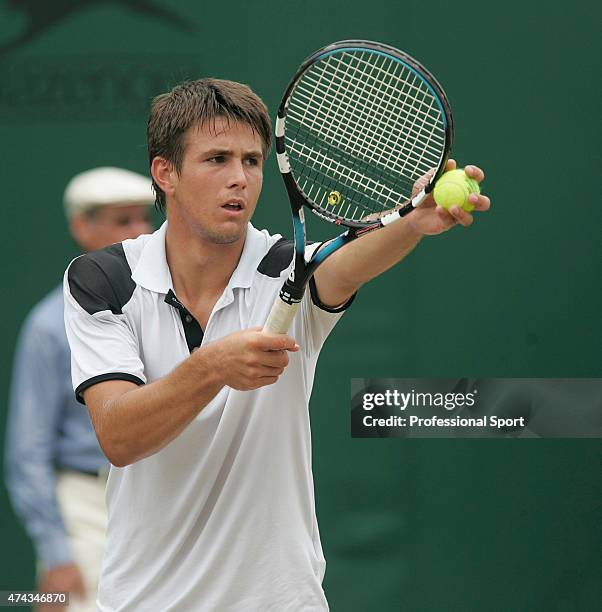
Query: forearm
(140, 422)
(134, 422)
(364, 259)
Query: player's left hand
(429, 219)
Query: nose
(238, 176)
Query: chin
(224, 236)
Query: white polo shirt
(222, 519)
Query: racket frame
(294, 287)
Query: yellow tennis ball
(453, 189)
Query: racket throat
(404, 210)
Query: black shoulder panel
(278, 258)
(102, 280)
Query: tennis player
(203, 417)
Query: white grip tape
(279, 127)
(390, 218)
(418, 198)
(280, 317)
(394, 216)
(283, 162)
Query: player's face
(111, 224)
(217, 188)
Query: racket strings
(337, 129)
(370, 106)
(384, 135)
(337, 132)
(362, 126)
(415, 105)
(355, 181)
(319, 163)
(388, 97)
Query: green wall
(415, 525)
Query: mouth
(234, 205)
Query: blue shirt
(47, 429)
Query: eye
(217, 159)
(252, 161)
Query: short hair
(194, 103)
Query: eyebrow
(215, 152)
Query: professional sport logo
(476, 407)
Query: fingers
(454, 216)
(250, 359)
(80, 588)
(461, 217)
(480, 202)
(475, 172)
(276, 342)
(422, 182)
(272, 359)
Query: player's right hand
(250, 359)
(61, 579)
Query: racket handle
(280, 317)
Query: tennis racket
(358, 124)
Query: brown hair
(194, 103)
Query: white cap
(106, 187)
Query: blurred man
(55, 469)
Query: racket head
(358, 124)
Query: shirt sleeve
(102, 342)
(34, 415)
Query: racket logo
(334, 198)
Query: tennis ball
(453, 189)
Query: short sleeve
(102, 342)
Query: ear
(82, 231)
(164, 174)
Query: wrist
(209, 364)
(54, 550)
(413, 231)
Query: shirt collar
(256, 246)
(152, 271)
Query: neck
(199, 268)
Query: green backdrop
(415, 525)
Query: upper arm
(333, 287)
(322, 306)
(331, 291)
